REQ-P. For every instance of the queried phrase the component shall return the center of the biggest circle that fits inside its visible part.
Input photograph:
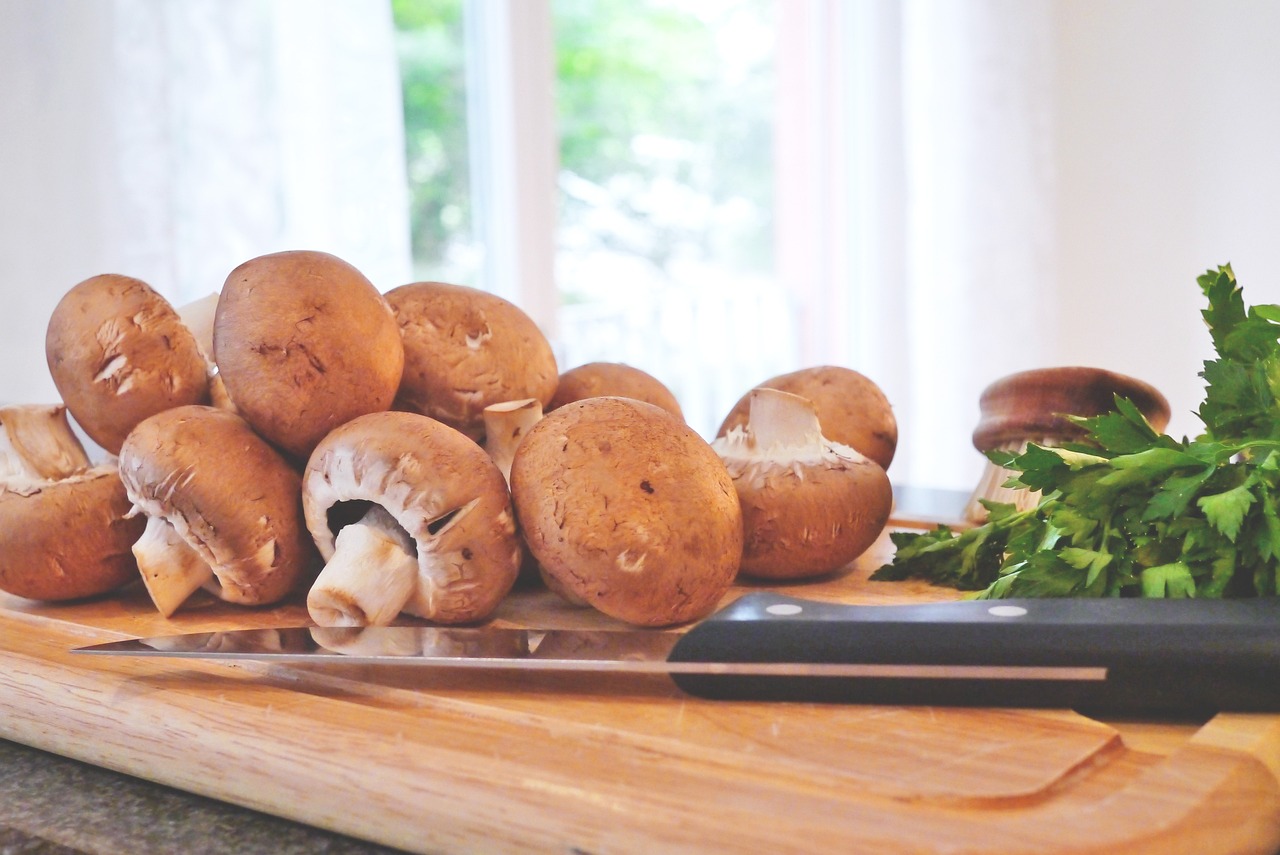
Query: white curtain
(1038, 182)
(917, 187)
(173, 140)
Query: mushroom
(809, 505)
(1036, 406)
(198, 316)
(852, 409)
(505, 425)
(629, 510)
(37, 444)
(304, 343)
(410, 516)
(118, 352)
(598, 379)
(63, 531)
(466, 349)
(222, 507)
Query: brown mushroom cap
(303, 343)
(118, 352)
(67, 539)
(852, 409)
(629, 509)
(1032, 405)
(466, 349)
(230, 496)
(809, 506)
(617, 379)
(440, 487)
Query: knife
(1102, 656)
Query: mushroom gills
(171, 570)
(371, 575)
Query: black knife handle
(1101, 656)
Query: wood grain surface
(481, 761)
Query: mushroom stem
(370, 577)
(782, 420)
(171, 570)
(198, 317)
(505, 424)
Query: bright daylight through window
(664, 244)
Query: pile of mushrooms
(300, 433)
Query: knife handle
(1111, 656)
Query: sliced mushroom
(63, 532)
(466, 349)
(223, 509)
(410, 516)
(628, 509)
(118, 352)
(852, 409)
(599, 379)
(304, 343)
(809, 506)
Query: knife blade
(1184, 657)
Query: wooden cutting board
(588, 764)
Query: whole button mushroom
(466, 349)
(223, 509)
(410, 516)
(303, 343)
(629, 510)
(118, 352)
(809, 506)
(64, 534)
(1037, 406)
(614, 379)
(852, 409)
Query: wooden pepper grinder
(1031, 406)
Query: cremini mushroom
(600, 379)
(118, 352)
(223, 509)
(63, 531)
(410, 516)
(1037, 406)
(304, 343)
(505, 425)
(629, 510)
(37, 443)
(466, 349)
(198, 316)
(810, 506)
(852, 409)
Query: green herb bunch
(1130, 512)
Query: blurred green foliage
(628, 71)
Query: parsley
(1130, 512)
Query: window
(657, 138)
